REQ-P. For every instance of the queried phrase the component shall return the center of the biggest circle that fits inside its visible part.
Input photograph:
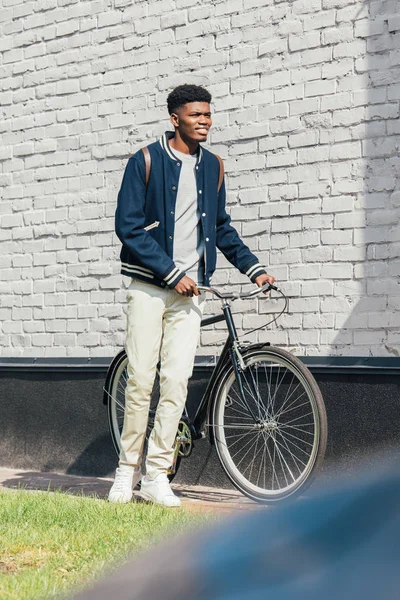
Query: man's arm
(130, 223)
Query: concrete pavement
(193, 497)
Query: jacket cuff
(173, 276)
(255, 271)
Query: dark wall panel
(56, 421)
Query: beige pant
(161, 324)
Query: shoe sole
(151, 499)
(126, 501)
(119, 501)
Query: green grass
(50, 541)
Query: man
(170, 228)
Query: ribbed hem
(134, 270)
(173, 277)
(255, 271)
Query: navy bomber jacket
(144, 219)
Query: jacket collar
(166, 147)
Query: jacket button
(178, 164)
(200, 191)
(172, 212)
(170, 237)
(197, 168)
(207, 239)
(203, 215)
(174, 187)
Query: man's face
(193, 121)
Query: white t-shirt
(188, 253)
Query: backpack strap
(147, 161)
(221, 171)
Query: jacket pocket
(152, 225)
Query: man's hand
(262, 279)
(187, 287)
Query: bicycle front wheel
(272, 442)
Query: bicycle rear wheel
(115, 390)
(278, 454)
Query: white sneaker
(126, 478)
(159, 491)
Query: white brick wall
(306, 99)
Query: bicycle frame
(263, 385)
(230, 353)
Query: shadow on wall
(371, 232)
(98, 459)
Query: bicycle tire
(277, 377)
(115, 393)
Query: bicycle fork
(238, 362)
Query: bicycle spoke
(272, 462)
(294, 458)
(239, 426)
(257, 399)
(276, 476)
(288, 393)
(240, 438)
(290, 441)
(269, 386)
(249, 450)
(240, 401)
(288, 398)
(277, 378)
(298, 427)
(252, 463)
(296, 438)
(280, 460)
(241, 449)
(119, 404)
(263, 461)
(302, 417)
(240, 412)
(291, 409)
(288, 409)
(256, 369)
(277, 390)
(235, 435)
(283, 458)
(121, 389)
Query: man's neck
(184, 146)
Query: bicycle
(262, 408)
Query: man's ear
(174, 119)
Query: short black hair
(186, 93)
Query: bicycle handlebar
(235, 295)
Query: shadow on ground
(196, 498)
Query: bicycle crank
(184, 439)
(183, 444)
